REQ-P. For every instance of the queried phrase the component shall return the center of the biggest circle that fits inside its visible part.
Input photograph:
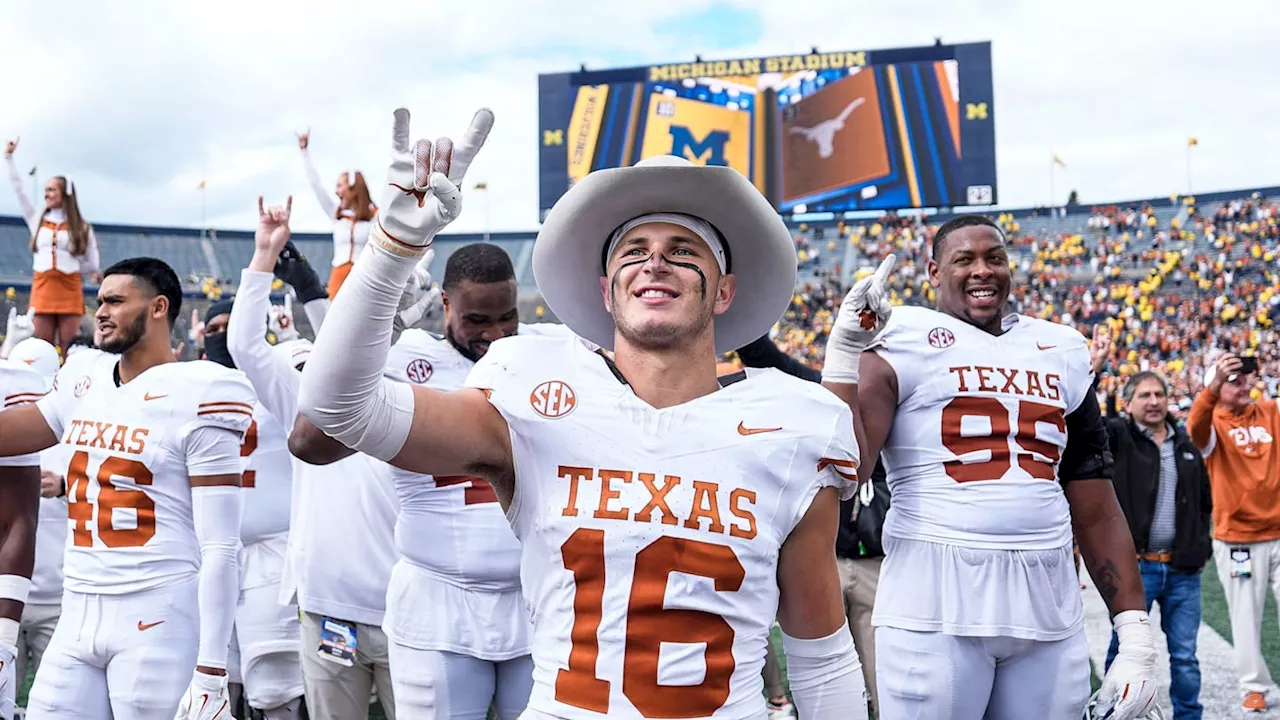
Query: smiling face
(663, 286)
(53, 193)
(972, 276)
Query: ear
(932, 268)
(444, 299)
(160, 307)
(726, 289)
(604, 293)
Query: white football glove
(1128, 691)
(18, 328)
(863, 314)
(8, 681)
(421, 297)
(205, 699)
(424, 184)
(280, 323)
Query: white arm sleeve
(343, 391)
(216, 511)
(316, 310)
(328, 200)
(273, 379)
(826, 677)
(28, 210)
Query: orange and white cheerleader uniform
(349, 235)
(57, 287)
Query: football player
(44, 602)
(267, 637)
(664, 520)
(19, 509)
(336, 573)
(996, 453)
(153, 486)
(457, 623)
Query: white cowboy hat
(568, 254)
(40, 356)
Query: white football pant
(932, 676)
(433, 684)
(127, 657)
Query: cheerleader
(352, 212)
(63, 247)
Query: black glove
(292, 268)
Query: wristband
(14, 587)
(381, 239)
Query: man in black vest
(1163, 487)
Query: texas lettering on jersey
(646, 527)
(989, 429)
(128, 487)
(703, 500)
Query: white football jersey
(650, 538)
(450, 526)
(973, 454)
(267, 479)
(19, 385)
(131, 445)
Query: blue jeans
(1178, 593)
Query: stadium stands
(1173, 277)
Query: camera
(1248, 365)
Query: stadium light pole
(483, 187)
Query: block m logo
(552, 137)
(685, 145)
(975, 111)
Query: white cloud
(138, 100)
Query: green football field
(1214, 608)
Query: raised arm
(1200, 419)
(327, 199)
(863, 314)
(343, 391)
(28, 210)
(271, 375)
(292, 267)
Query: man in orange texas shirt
(1237, 435)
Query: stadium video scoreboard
(819, 132)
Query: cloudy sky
(138, 100)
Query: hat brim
(567, 254)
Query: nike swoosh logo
(1041, 346)
(148, 397)
(143, 627)
(744, 430)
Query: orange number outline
(247, 448)
(649, 624)
(1026, 445)
(110, 498)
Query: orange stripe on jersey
(219, 411)
(840, 467)
(21, 399)
(225, 404)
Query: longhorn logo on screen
(685, 145)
